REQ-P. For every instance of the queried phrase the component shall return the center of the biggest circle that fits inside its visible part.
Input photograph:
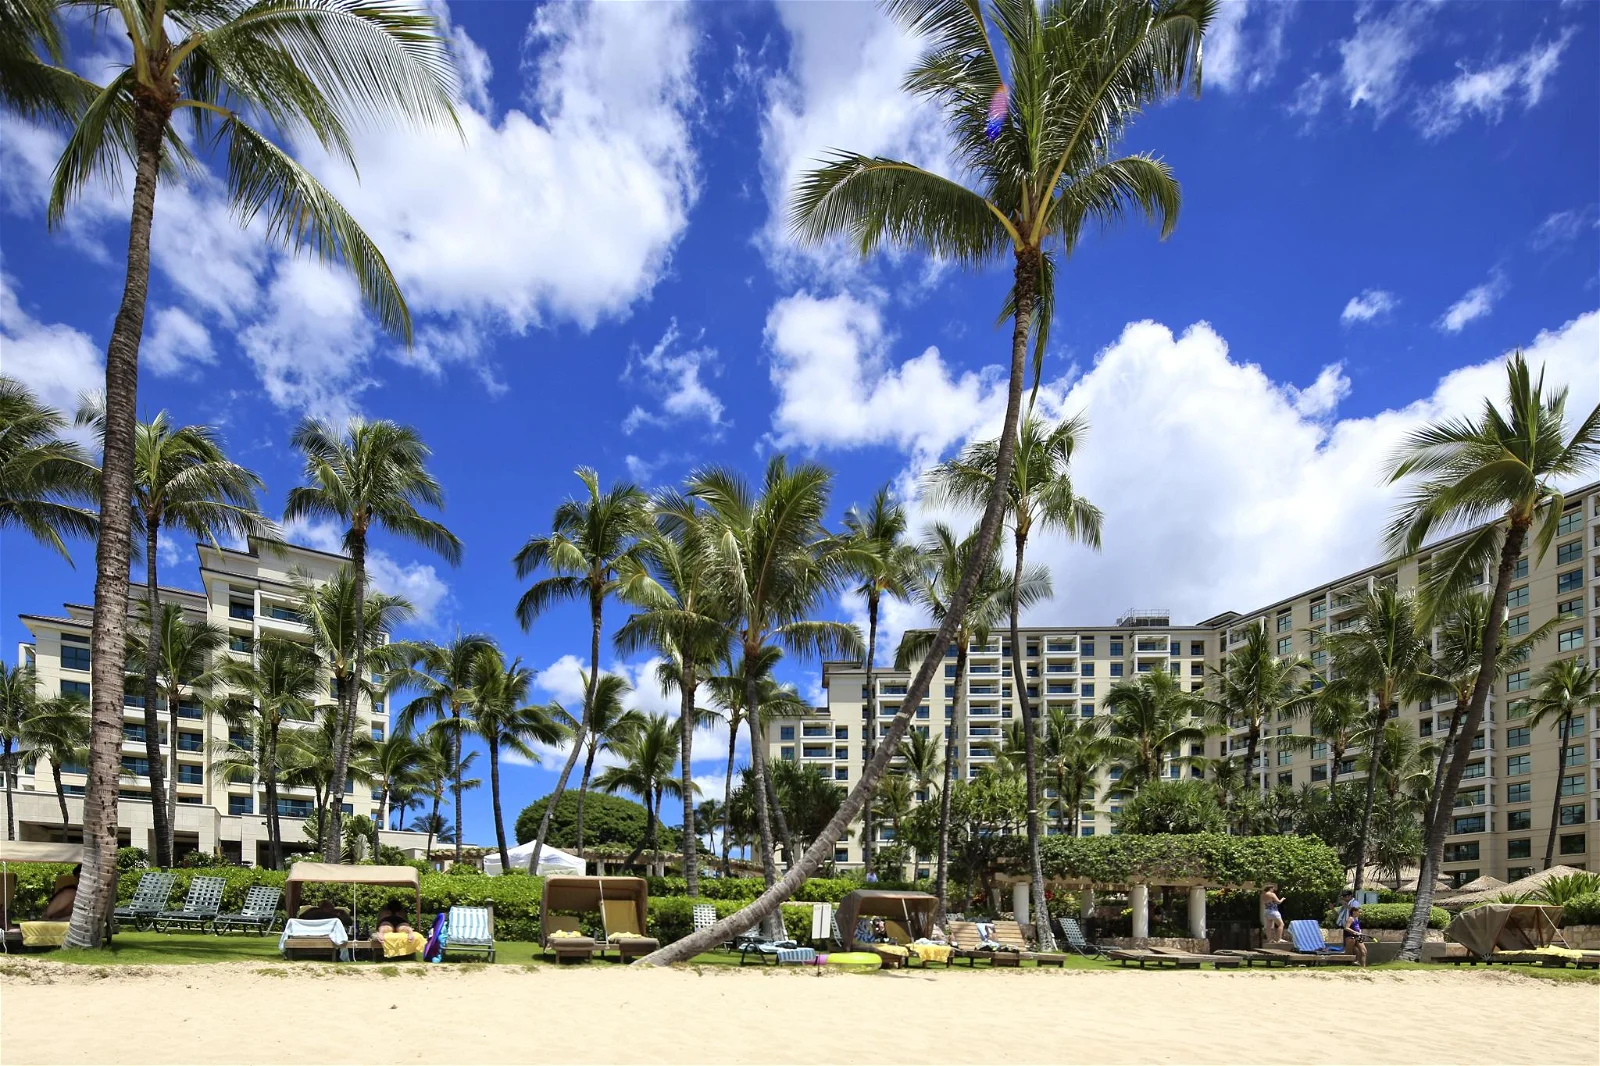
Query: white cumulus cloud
(54, 360)
(673, 371)
(1244, 45)
(175, 342)
(1370, 304)
(419, 583)
(1476, 303)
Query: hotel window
(1116, 669)
(1319, 773)
(1572, 785)
(1086, 830)
(1319, 659)
(1461, 852)
(1519, 793)
(1517, 710)
(1319, 751)
(74, 657)
(786, 753)
(1116, 648)
(1517, 625)
(241, 610)
(1569, 639)
(136, 767)
(1572, 579)
(1318, 610)
(1175, 649)
(786, 732)
(1516, 820)
(1086, 710)
(190, 742)
(1474, 798)
(841, 773)
(1087, 689)
(190, 775)
(1518, 597)
(237, 643)
(1087, 645)
(1285, 757)
(1570, 522)
(1474, 769)
(1519, 849)
(1285, 645)
(1521, 569)
(1572, 845)
(1197, 647)
(241, 805)
(1568, 552)
(1573, 756)
(1577, 727)
(922, 712)
(1570, 608)
(1573, 814)
(1468, 823)
(1518, 737)
(841, 732)
(1197, 669)
(1285, 622)
(75, 688)
(1286, 780)
(1088, 669)
(1516, 765)
(1516, 681)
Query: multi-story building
(1502, 811)
(248, 595)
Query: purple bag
(433, 950)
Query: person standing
(1355, 942)
(1272, 915)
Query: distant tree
(607, 820)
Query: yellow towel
(891, 949)
(43, 934)
(933, 952)
(565, 934)
(397, 944)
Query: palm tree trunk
(455, 784)
(97, 883)
(869, 733)
(758, 763)
(1252, 746)
(596, 605)
(583, 790)
(433, 824)
(160, 816)
(380, 820)
(691, 842)
(1374, 756)
(727, 787)
(352, 698)
(780, 820)
(952, 768)
(1025, 287)
(1563, 730)
(1030, 745)
(5, 769)
(61, 797)
(494, 795)
(172, 777)
(274, 819)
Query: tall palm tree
(589, 539)
(281, 682)
(445, 675)
(1078, 71)
(395, 765)
(1151, 719)
(309, 70)
(59, 730)
(944, 560)
(1501, 465)
(31, 41)
(1568, 689)
(678, 616)
(305, 760)
(48, 486)
(1339, 718)
(365, 475)
(924, 768)
(774, 565)
(504, 720)
(894, 802)
(438, 770)
(648, 759)
(610, 723)
(877, 554)
(1039, 495)
(707, 816)
(774, 700)
(1403, 765)
(1384, 654)
(179, 654)
(1255, 687)
(19, 702)
(1073, 751)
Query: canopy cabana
(586, 894)
(1506, 927)
(39, 851)
(915, 910)
(552, 862)
(332, 873)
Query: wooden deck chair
(571, 946)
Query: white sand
(237, 1013)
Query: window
(237, 643)
(190, 741)
(1285, 757)
(842, 732)
(1570, 522)
(1517, 681)
(1518, 764)
(1569, 639)
(190, 775)
(1318, 610)
(1461, 852)
(1572, 785)
(1319, 659)
(75, 688)
(1573, 756)
(1116, 669)
(1569, 552)
(1518, 737)
(1088, 669)
(841, 854)
(1567, 582)
(1519, 849)
(1474, 769)
(786, 753)
(1516, 820)
(1470, 823)
(1517, 625)
(1088, 645)
(1086, 710)
(294, 808)
(1573, 814)
(1319, 751)
(815, 751)
(241, 610)
(1572, 845)
(1516, 710)
(1116, 647)
(1319, 773)
(1285, 645)
(1175, 649)
(1473, 798)
(377, 732)
(1570, 608)
(136, 767)
(786, 732)
(1088, 687)
(1197, 647)
(1285, 621)
(1425, 728)
(1347, 766)
(841, 773)
(1518, 597)
(1520, 571)
(241, 804)
(1286, 779)
(74, 657)
(1522, 792)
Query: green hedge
(35, 880)
(815, 890)
(1392, 916)
(1298, 864)
(1582, 910)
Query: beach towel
(330, 928)
(397, 944)
(433, 949)
(43, 934)
(933, 952)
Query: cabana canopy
(585, 894)
(914, 909)
(331, 873)
(1505, 927)
(39, 851)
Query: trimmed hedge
(35, 880)
(1392, 916)
(1582, 910)
(1298, 864)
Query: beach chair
(150, 898)
(753, 942)
(968, 943)
(1146, 957)
(1307, 937)
(1220, 962)
(1072, 933)
(471, 930)
(705, 916)
(1009, 934)
(260, 912)
(621, 920)
(200, 906)
(1250, 957)
(567, 941)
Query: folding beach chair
(1307, 937)
(1072, 933)
(471, 929)
(260, 912)
(705, 916)
(149, 899)
(200, 906)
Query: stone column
(1197, 912)
(1139, 900)
(1019, 901)
(1086, 903)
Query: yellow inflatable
(865, 959)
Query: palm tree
(1568, 689)
(648, 759)
(504, 720)
(707, 816)
(438, 770)
(1384, 654)
(894, 802)
(445, 675)
(179, 652)
(306, 758)
(1073, 750)
(30, 41)
(1339, 718)
(395, 765)
(19, 702)
(281, 682)
(610, 723)
(936, 584)
(678, 617)
(59, 730)
(364, 475)
(1151, 719)
(1500, 465)
(309, 70)
(48, 486)
(1038, 495)
(589, 539)
(1079, 72)
(773, 565)
(1402, 766)
(1253, 688)
(879, 556)
(774, 700)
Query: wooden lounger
(1221, 962)
(311, 943)
(1311, 958)
(1250, 957)
(1144, 957)
(568, 948)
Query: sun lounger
(969, 944)
(200, 906)
(567, 941)
(150, 898)
(1307, 937)
(621, 920)
(1009, 934)
(471, 930)
(1310, 958)
(313, 935)
(1221, 962)
(260, 912)
(1145, 957)
(1250, 957)
(1072, 932)
(705, 916)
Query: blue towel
(1307, 936)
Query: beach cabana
(1499, 927)
(912, 912)
(332, 873)
(584, 894)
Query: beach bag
(433, 949)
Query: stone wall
(1180, 943)
(1583, 937)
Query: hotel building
(249, 595)
(1501, 812)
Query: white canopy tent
(551, 861)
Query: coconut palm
(305, 760)
(648, 758)
(281, 682)
(308, 69)
(1404, 766)
(438, 771)
(1072, 751)
(1078, 71)
(1339, 717)
(505, 721)
(893, 804)
(59, 730)
(30, 83)
(1151, 719)
(1567, 689)
(445, 675)
(707, 816)
(924, 762)
(1253, 688)
(395, 765)
(589, 539)
(610, 723)
(728, 692)
(1501, 465)
(678, 617)
(48, 486)
(19, 702)
(776, 700)
(365, 475)
(1039, 496)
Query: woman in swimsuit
(1272, 927)
(1355, 942)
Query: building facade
(1502, 811)
(247, 594)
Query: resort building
(247, 594)
(1502, 811)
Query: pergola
(1138, 892)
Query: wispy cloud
(1477, 303)
(1370, 304)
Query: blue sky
(1380, 201)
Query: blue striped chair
(471, 929)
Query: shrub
(1561, 890)
(132, 859)
(1392, 916)
(463, 869)
(1297, 864)
(35, 880)
(607, 820)
(1581, 910)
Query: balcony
(1059, 646)
(1151, 647)
(1344, 604)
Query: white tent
(551, 861)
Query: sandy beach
(240, 1013)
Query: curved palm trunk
(61, 796)
(1374, 756)
(1041, 909)
(269, 771)
(499, 820)
(352, 697)
(952, 768)
(869, 735)
(1563, 731)
(455, 784)
(97, 882)
(161, 815)
(5, 770)
(596, 603)
(691, 842)
(1445, 752)
(727, 788)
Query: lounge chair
(969, 945)
(1250, 956)
(753, 942)
(1221, 962)
(1307, 958)
(1146, 957)
(1307, 937)
(149, 899)
(566, 939)
(621, 920)
(471, 930)
(200, 906)
(260, 912)
(705, 916)
(1072, 933)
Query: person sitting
(392, 920)
(62, 898)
